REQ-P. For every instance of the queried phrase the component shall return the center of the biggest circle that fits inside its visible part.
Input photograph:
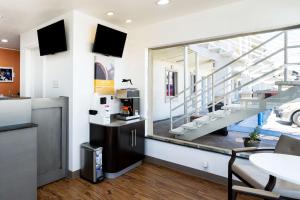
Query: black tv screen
(109, 41)
(52, 38)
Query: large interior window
(196, 84)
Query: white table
(285, 167)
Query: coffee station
(130, 104)
(120, 135)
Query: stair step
(250, 99)
(238, 107)
(288, 83)
(218, 114)
(178, 131)
(189, 133)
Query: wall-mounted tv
(109, 41)
(52, 38)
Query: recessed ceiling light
(128, 21)
(4, 40)
(110, 13)
(162, 2)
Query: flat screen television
(52, 38)
(109, 41)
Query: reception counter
(18, 158)
(14, 111)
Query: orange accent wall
(10, 58)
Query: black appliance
(130, 103)
(52, 38)
(109, 41)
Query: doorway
(37, 74)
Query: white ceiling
(22, 15)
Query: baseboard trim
(124, 171)
(72, 175)
(76, 174)
(176, 167)
(189, 171)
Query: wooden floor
(145, 182)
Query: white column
(185, 71)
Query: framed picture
(6, 74)
(104, 83)
(171, 83)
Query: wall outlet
(205, 165)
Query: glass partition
(217, 93)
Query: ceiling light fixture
(162, 2)
(128, 21)
(110, 13)
(4, 40)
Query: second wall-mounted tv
(109, 41)
(52, 38)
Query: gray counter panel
(18, 164)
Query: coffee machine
(130, 104)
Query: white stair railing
(204, 94)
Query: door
(50, 114)
(126, 144)
(139, 141)
(37, 74)
(132, 144)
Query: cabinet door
(51, 115)
(126, 144)
(139, 141)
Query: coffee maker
(130, 104)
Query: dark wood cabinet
(123, 143)
(139, 149)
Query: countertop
(17, 127)
(117, 123)
(12, 98)
(197, 146)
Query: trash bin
(91, 163)
(260, 119)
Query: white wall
(187, 156)
(161, 104)
(73, 71)
(37, 83)
(56, 66)
(241, 17)
(57, 69)
(83, 83)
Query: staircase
(259, 67)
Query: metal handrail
(247, 53)
(231, 62)
(253, 81)
(227, 79)
(234, 90)
(213, 85)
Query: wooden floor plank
(147, 182)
